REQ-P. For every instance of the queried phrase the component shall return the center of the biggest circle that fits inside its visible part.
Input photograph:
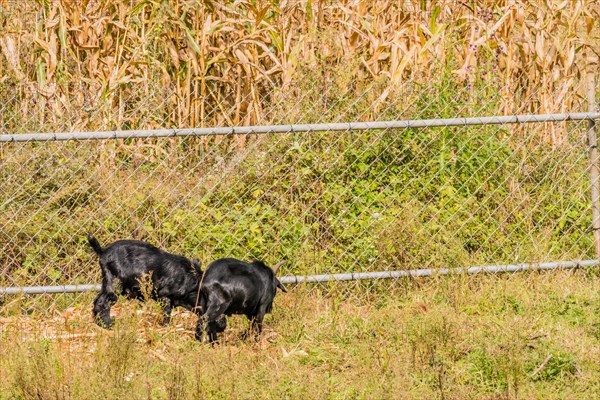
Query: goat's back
(126, 258)
(246, 284)
(226, 269)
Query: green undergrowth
(532, 335)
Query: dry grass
(464, 337)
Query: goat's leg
(215, 321)
(218, 325)
(214, 324)
(104, 300)
(168, 307)
(214, 317)
(200, 327)
(256, 324)
(221, 324)
(248, 330)
(257, 321)
(102, 305)
(214, 303)
(212, 328)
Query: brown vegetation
(457, 338)
(81, 65)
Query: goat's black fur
(231, 286)
(174, 278)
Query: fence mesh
(326, 202)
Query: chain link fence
(346, 200)
(326, 201)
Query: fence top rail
(353, 276)
(300, 128)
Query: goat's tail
(95, 244)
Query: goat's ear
(280, 286)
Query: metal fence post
(592, 65)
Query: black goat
(174, 278)
(231, 286)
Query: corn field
(124, 64)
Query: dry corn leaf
(9, 50)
